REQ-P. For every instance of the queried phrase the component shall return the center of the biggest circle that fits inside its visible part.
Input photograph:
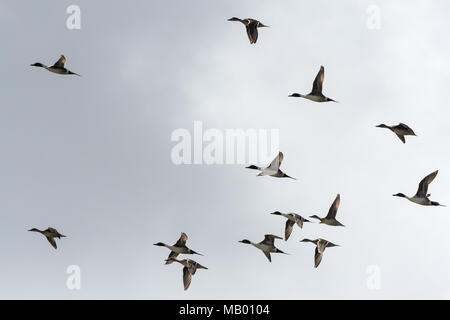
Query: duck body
(321, 245)
(50, 233)
(316, 94)
(422, 196)
(330, 218)
(273, 169)
(178, 248)
(292, 219)
(267, 246)
(401, 130)
(190, 268)
(58, 67)
(251, 26)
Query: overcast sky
(90, 156)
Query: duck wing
(276, 163)
(400, 136)
(288, 229)
(405, 128)
(187, 277)
(182, 241)
(60, 63)
(317, 257)
(334, 208)
(269, 239)
(423, 185)
(252, 32)
(172, 255)
(318, 81)
(52, 241)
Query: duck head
(245, 241)
(401, 195)
(37, 64)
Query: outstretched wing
(288, 229)
(172, 255)
(252, 32)
(406, 128)
(52, 242)
(182, 241)
(334, 208)
(318, 81)
(187, 277)
(276, 163)
(423, 185)
(317, 257)
(299, 221)
(270, 238)
(401, 137)
(60, 63)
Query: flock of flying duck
(267, 246)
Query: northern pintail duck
(401, 130)
(266, 246)
(177, 248)
(330, 219)
(273, 169)
(292, 219)
(316, 93)
(252, 26)
(58, 67)
(190, 267)
(50, 234)
(321, 245)
(421, 197)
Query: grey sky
(90, 156)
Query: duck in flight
(330, 219)
(252, 26)
(273, 169)
(401, 130)
(177, 248)
(50, 234)
(58, 67)
(422, 195)
(267, 246)
(190, 267)
(292, 219)
(316, 93)
(321, 245)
